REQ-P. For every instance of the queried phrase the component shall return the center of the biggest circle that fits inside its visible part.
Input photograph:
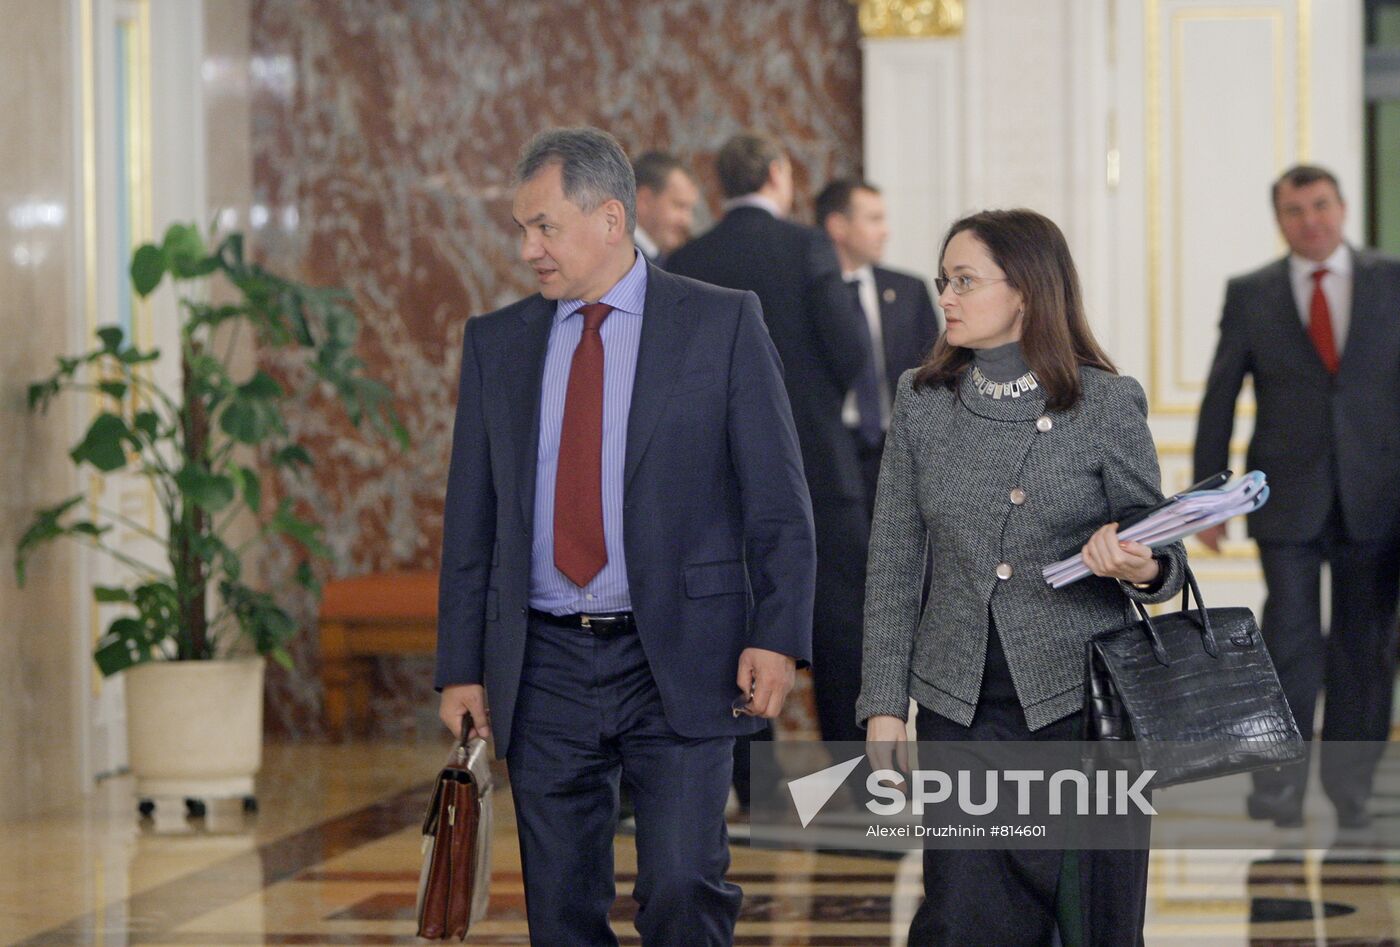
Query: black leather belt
(609, 625)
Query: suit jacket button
(1004, 571)
(1043, 424)
(1018, 496)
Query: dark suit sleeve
(779, 541)
(1232, 362)
(928, 326)
(844, 341)
(468, 534)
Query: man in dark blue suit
(897, 307)
(627, 549)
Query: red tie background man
(1319, 332)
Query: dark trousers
(588, 714)
(1355, 663)
(985, 898)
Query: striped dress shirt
(550, 590)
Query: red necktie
(1320, 323)
(579, 551)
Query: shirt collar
(628, 294)
(754, 200)
(1339, 263)
(865, 274)
(645, 243)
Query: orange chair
(367, 616)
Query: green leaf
(251, 485)
(147, 423)
(108, 593)
(125, 644)
(105, 444)
(307, 533)
(209, 491)
(281, 656)
(147, 268)
(184, 252)
(306, 578)
(117, 389)
(261, 385)
(250, 420)
(42, 392)
(230, 252)
(111, 337)
(45, 528)
(293, 455)
(135, 356)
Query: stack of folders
(1207, 503)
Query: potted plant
(194, 709)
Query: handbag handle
(1189, 588)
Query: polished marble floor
(331, 858)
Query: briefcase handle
(1159, 650)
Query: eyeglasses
(964, 284)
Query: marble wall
(383, 135)
(42, 647)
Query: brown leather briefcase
(455, 881)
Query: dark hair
(835, 198)
(1055, 335)
(1301, 175)
(653, 169)
(743, 162)
(592, 166)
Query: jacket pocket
(715, 578)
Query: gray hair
(592, 166)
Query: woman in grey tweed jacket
(1015, 443)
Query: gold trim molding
(885, 19)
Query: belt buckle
(586, 621)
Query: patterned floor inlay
(332, 859)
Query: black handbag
(1195, 690)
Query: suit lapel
(1365, 306)
(1288, 323)
(666, 332)
(894, 330)
(528, 345)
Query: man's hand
(457, 698)
(887, 743)
(1211, 536)
(766, 676)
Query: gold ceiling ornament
(910, 18)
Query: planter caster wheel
(250, 804)
(146, 807)
(196, 808)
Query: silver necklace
(1003, 389)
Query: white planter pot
(194, 728)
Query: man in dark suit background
(1319, 332)
(824, 345)
(627, 551)
(896, 306)
(666, 199)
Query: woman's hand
(1106, 555)
(887, 743)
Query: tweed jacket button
(1043, 424)
(1004, 571)
(1018, 496)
